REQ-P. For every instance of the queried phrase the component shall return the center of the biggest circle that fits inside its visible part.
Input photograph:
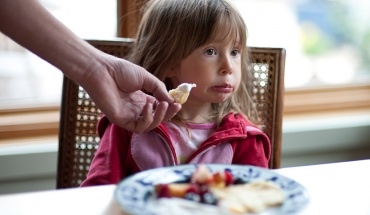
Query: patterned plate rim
(132, 198)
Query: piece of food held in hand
(222, 190)
(181, 93)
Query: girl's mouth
(227, 88)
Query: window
(328, 54)
(25, 79)
(327, 41)
(30, 88)
(327, 64)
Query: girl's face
(215, 68)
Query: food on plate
(250, 197)
(181, 93)
(222, 190)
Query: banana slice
(181, 93)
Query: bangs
(231, 27)
(228, 23)
(206, 20)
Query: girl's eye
(210, 52)
(235, 52)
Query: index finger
(153, 85)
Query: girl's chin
(219, 100)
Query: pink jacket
(122, 153)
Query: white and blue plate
(136, 192)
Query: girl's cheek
(237, 85)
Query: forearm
(33, 27)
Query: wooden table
(337, 188)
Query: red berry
(163, 191)
(193, 188)
(228, 178)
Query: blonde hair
(170, 30)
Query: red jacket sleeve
(108, 162)
(254, 150)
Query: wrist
(84, 65)
(93, 72)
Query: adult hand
(116, 90)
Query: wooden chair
(79, 115)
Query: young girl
(188, 41)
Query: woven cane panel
(82, 140)
(263, 91)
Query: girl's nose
(226, 66)
(226, 72)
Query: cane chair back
(78, 140)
